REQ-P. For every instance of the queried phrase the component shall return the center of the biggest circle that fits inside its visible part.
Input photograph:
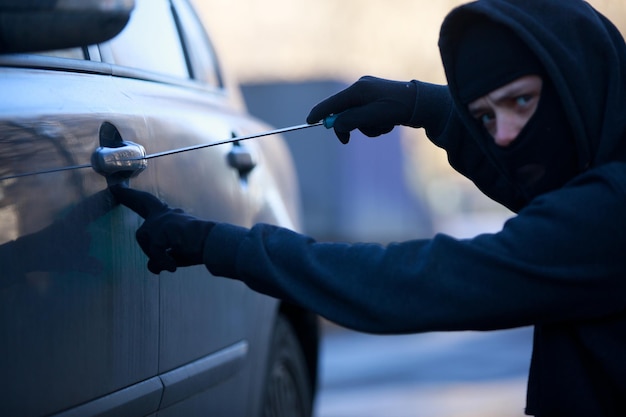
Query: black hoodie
(559, 264)
(585, 58)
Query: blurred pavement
(456, 374)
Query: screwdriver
(132, 157)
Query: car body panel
(86, 329)
(74, 291)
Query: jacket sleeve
(557, 260)
(435, 112)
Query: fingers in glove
(344, 137)
(141, 202)
(375, 131)
(157, 249)
(346, 99)
(156, 266)
(159, 259)
(361, 118)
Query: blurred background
(290, 54)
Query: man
(535, 114)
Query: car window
(150, 41)
(202, 57)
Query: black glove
(372, 105)
(168, 236)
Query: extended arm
(540, 268)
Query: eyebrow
(512, 91)
(477, 109)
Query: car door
(79, 314)
(85, 328)
(213, 332)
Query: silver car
(85, 329)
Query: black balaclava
(543, 157)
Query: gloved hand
(169, 237)
(372, 105)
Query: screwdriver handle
(329, 121)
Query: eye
(485, 118)
(523, 100)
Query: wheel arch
(307, 328)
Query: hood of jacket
(581, 51)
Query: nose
(508, 128)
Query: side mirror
(39, 25)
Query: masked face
(505, 111)
(528, 133)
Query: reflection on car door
(78, 312)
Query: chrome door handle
(116, 159)
(119, 163)
(129, 158)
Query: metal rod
(173, 151)
(45, 171)
(232, 140)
